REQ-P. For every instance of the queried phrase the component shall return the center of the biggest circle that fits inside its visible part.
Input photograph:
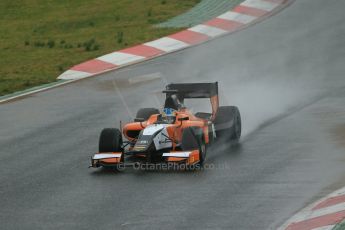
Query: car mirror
(183, 119)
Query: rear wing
(195, 90)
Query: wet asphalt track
(286, 74)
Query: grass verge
(340, 226)
(40, 39)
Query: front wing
(114, 158)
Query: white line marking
(260, 4)
(237, 17)
(338, 193)
(306, 213)
(119, 58)
(319, 212)
(143, 78)
(73, 74)
(167, 44)
(208, 30)
(36, 91)
(328, 227)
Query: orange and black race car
(172, 135)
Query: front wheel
(110, 141)
(192, 139)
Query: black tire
(211, 134)
(192, 138)
(228, 123)
(110, 140)
(145, 113)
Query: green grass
(340, 226)
(39, 39)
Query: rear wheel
(145, 113)
(111, 141)
(228, 123)
(192, 139)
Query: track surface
(287, 76)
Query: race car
(173, 134)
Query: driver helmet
(169, 115)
